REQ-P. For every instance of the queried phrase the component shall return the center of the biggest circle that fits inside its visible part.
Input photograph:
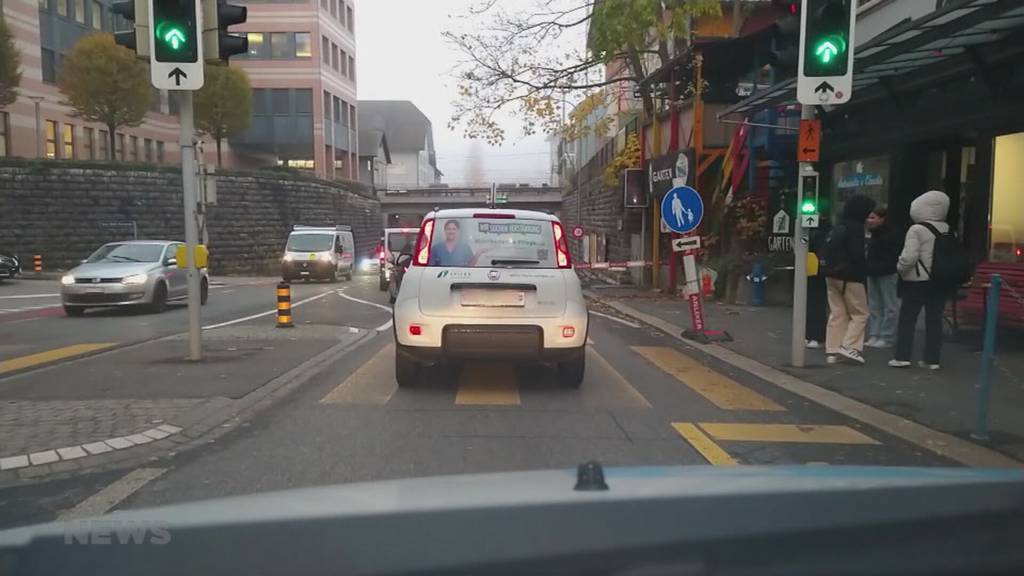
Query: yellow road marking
(372, 383)
(23, 362)
(625, 395)
(719, 389)
(487, 384)
(813, 434)
(711, 452)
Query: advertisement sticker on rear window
(508, 228)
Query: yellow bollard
(284, 305)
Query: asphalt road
(647, 399)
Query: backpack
(833, 258)
(951, 263)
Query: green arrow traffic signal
(827, 30)
(172, 35)
(826, 51)
(175, 31)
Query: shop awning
(921, 46)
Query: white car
(490, 284)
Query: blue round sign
(682, 209)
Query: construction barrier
(284, 305)
(37, 262)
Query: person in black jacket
(817, 293)
(846, 272)
(884, 246)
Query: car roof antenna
(590, 477)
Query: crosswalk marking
(373, 383)
(719, 389)
(711, 452)
(487, 385)
(812, 434)
(31, 360)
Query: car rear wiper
(512, 261)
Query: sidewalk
(943, 400)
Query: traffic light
(136, 12)
(828, 37)
(786, 41)
(175, 31)
(218, 44)
(808, 194)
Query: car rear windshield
(310, 242)
(127, 253)
(490, 242)
(402, 242)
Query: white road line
(619, 320)
(113, 494)
(347, 297)
(385, 326)
(27, 296)
(267, 313)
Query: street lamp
(39, 124)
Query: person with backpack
(817, 292)
(884, 247)
(846, 272)
(932, 265)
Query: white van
(324, 253)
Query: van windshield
(310, 242)
(489, 242)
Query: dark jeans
(817, 309)
(917, 295)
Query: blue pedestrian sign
(682, 209)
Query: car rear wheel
(159, 302)
(74, 310)
(570, 372)
(406, 370)
(333, 276)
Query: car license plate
(94, 290)
(493, 298)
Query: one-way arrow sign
(177, 74)
(811, 220)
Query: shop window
(867, 176)
(51, 139)
(69, 140)
(1007, 223)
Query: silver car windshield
(127, 253)
(490, 242)
(310, 242)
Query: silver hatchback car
(135, 273)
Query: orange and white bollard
(37, 262)
(284, 305)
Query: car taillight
(494, 216)
(561, 246)
(423, 243)
(568, 331)
(415, 329)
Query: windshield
(310, 242)
(127, 253)
(489, 242)
(402, 242)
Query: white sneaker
(813, 344)
(926, 365)
(831, 359)
(894, 363)
(876, 343)
(851, 355)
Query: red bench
(970, 310)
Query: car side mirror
(83, 261)
(403, 260)
(171, 262)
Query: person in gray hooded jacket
(914, 266)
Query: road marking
(368, 303)
(612, 389)
(267, 313)
(372, 383)
(51, 356)
(707, 448)
(719, 389)
(619, 320)
(809, 434)
(113, 494)
(384, 326)
(483, 384)
(27, 296)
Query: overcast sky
(402, 56)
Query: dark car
(398, 266)
(9, 266)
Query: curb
(940, 443)
(207, 423)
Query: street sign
(780, 222)
(577, 231)
(176, 44)
(685, 243)
(810, 220)
(682, 209)
(826, 51)
(809, 146)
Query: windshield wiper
(123, 258)
(512, 261)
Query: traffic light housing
(175, 31)
(136, 12)
(785, 52)
(827, 40)
(218, 43)
(808, 200)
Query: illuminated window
(303, 45)
(69, 140)
(51, 139)
(257, 48)
(80, 11)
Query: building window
(303, 45)
(337, 110)
(259, 102)
(279, 102)
(97, 14)
(257, 48)
(51, 139)
(62, 7)
(44, 4)
(104, 145)
(351, 67)
(350, 20)
(147, 149)
(133, 150)
(5, 131)
(159, 151)
(343, 57)
(88, 146)
(119, 153)
(279, 45)
(69, 141)
(80, 11)
(327, 107)
(323, 4)
(325, 50)
(334, 56)
(352, 114)
(303, 101)
(334, 8)
(49, 66)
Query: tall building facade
(302, 66)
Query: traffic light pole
(800, 248)
(190, 200)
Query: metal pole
(798, 344)
(188, 184)
(987, 352)
(643, 246)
